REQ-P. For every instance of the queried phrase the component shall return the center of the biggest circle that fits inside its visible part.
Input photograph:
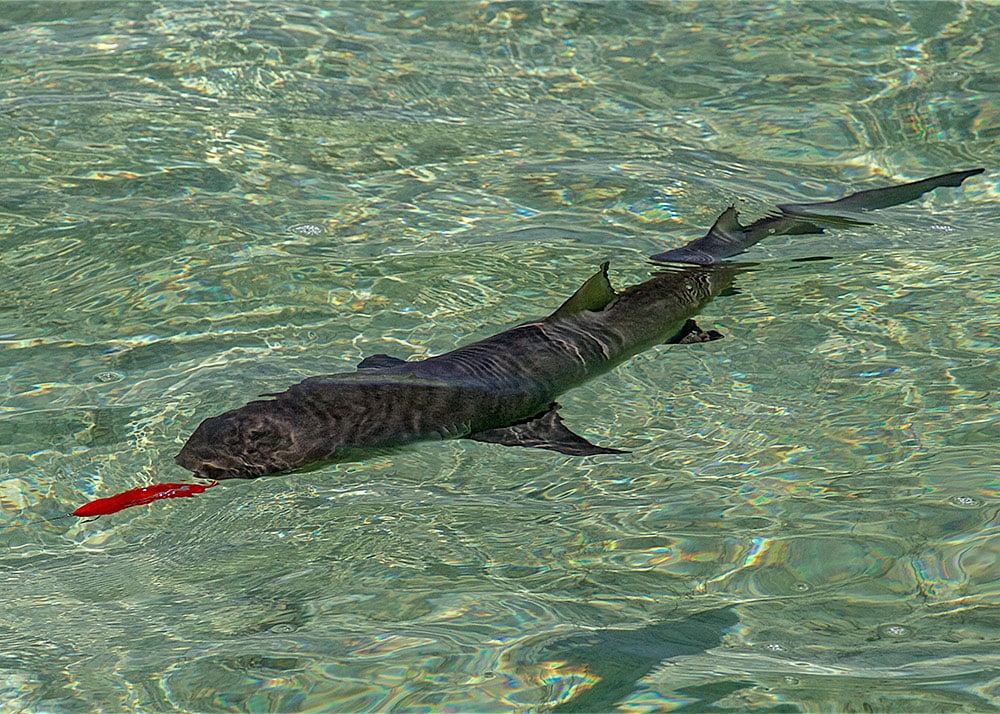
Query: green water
(202, 203)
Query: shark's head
(244, 443)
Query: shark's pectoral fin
(380, 361)
(545, 431)
(691, 334)
(594, 295)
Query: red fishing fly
(140, 496)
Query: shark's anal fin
(545, 431)
(691, 333)
(594, 295)
(380, 361)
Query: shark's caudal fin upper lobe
(727, 237)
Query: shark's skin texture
(502, 389)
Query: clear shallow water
(201, 204)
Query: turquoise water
(202, 203)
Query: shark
(503, 389)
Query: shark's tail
(727, 237)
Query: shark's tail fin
(728, 237)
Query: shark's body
(502, 389)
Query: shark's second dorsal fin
(727, 224)
(594, 295)
(726, 237)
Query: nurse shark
(502, 389)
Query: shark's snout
(224, 447)
(209, 452)
(254, 440)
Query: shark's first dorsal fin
(594, 295)
(380, 361)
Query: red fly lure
(140, 496)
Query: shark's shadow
(617, 659)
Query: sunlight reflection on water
(205, 203)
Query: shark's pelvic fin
(593, 296)
(380, 361)
(728, 237)
(545, 431)
(691, 334)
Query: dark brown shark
(727, 237)
(502, 389)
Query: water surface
(205, 202)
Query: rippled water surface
(204, 202)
